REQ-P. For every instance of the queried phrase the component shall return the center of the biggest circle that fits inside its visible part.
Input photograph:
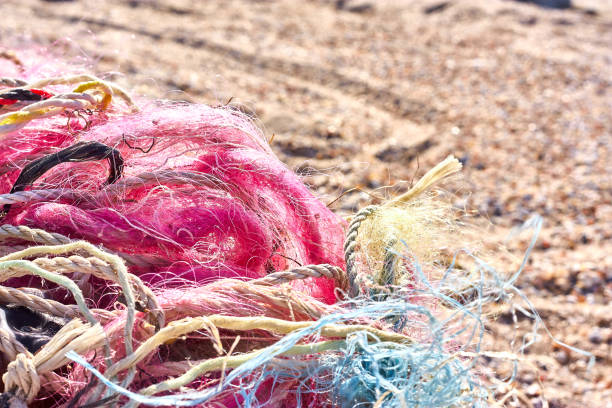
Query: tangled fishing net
(159, 254)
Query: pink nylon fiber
(209, 200)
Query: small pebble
(595, 336)
(561, 357)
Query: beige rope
(103, 270)
(32, 234)
(51, 238)
(14, 265)
(173, 331)
(445, 168)
(21, 297)
(76, 335)
(350, 246)
(22, 376)
(9, 345)
(33, 302)
(12, 82)
(198, 368)
(303, 272)
(284, 327)
(274, 295)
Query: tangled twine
(23, 382)
(350, 342)
(175, 283)
(23, 375)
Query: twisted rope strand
(37, 303)
(14, 261)
(218, 363)
(40, 236)
(12, 82)
(22, 378)
(21, 197)
(350, 243)
(9, 345)
(33, 234)
(303, 272)
(273, 295)
(101, 269)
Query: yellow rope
(100, 86)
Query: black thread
(139, 148)
(22, 95)
(80, 152)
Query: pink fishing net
(201, 197)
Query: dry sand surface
(355, 94)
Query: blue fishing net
(440, 367)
